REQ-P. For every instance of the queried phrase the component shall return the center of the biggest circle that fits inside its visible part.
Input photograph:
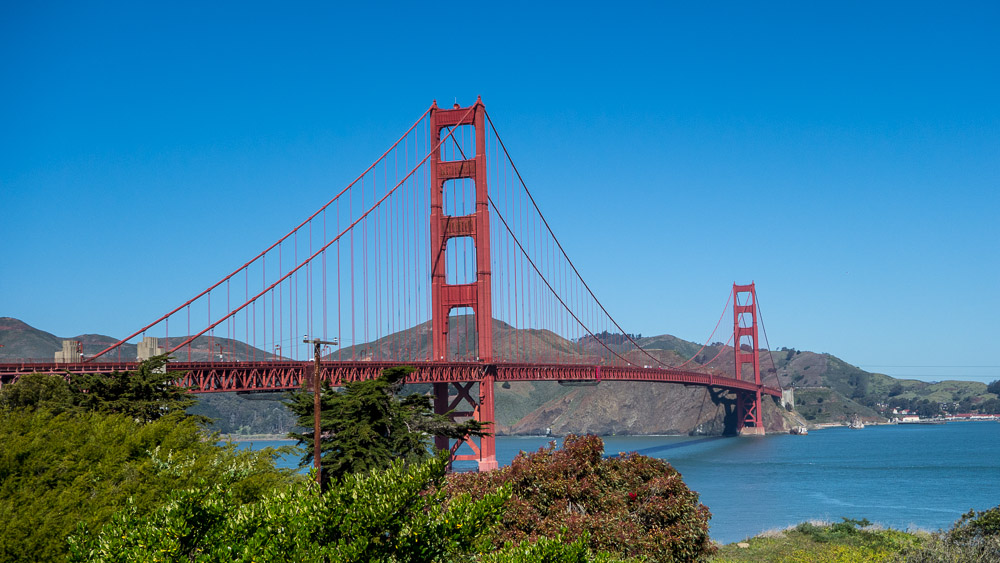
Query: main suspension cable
(724, 309)
(268, 249)
(561, 249)
(764, 328)
(327, 245)
(547, 284)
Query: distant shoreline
(285, 438)
(251, 437)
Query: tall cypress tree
(145, 394)
(368, 424)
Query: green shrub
(57, 471)
(833, 532)
(385, 515)
(974, 538)
(973, 528)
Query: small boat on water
(799, 430)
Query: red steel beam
(213, 377)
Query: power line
(950, 367)
(946, 375)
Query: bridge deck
(208, 377)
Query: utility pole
(317, 343)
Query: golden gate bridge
(437, 257)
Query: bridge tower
(475, 295)
(749, 418)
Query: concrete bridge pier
(149, 347)
(71, 353)
(788, 397)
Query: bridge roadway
(282, 375)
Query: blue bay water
(904, 476)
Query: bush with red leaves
(631, 506)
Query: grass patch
(847, 541)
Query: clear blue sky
(846, 156)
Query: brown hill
(537, 344)
(21, 341)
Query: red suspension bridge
(436, 257)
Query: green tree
(58, 471)
(994, 387)
(393, 514)
(368, 425)
(991, 406)
(926, 409)
(37, 391)
(861, 383)
(146, 394)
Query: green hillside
(871, 396)
(822, 404)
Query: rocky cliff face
(619, 407)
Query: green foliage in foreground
(549, 550)
(57, 471)
(390, 515)
(632, 506)
(368, 426)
